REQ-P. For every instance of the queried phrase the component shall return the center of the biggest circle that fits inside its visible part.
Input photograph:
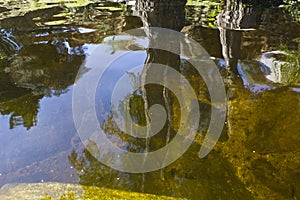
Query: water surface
(45, 44)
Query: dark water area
(47, 46)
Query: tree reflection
(232, 21)
(22, 110)
(92, 172)
(37, 71)
(38, 62)
(240, 19)
(167, 14)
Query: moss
(61, 191)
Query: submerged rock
(263, 142)
(281, 67)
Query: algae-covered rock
(264, 136)
(47, 191)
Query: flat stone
(38, 191)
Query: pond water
(45, 46)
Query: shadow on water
(254, 43)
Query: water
(44, 44)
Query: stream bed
(46, 46)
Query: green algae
(263, 142)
